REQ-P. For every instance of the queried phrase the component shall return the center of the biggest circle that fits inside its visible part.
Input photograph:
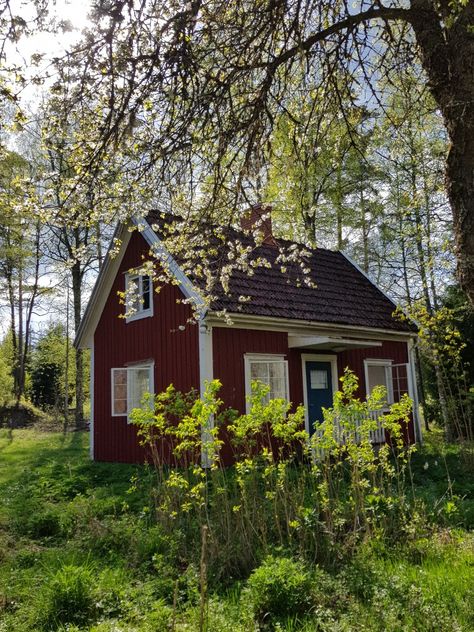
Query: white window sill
(139, 316)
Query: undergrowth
(291, 541)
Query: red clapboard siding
(230, 345)
(354, 359)
(390, 350)
(116, 343)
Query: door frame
(317, 357)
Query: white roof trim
(304, 327)
(100, 293)
(103, 285)
(168, 262)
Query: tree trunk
(19, 367)
(66, 365)
(447, 55)
(76, 297)
(339, 209)
(365, 232)
(460, 183)
(100, 256)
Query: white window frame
(129, 369)
(262, 357)
(388, 375)
(140, 313)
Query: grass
(80, 551)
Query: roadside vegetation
(351, 540)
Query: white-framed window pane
(259, 371)
(139, 383)
(277, 388)
(377, 376)
(133, 294)
(146, 292)
(319, 379)
(129, 385)
(119, 391)
(273, 374)
(138, 294)
(276, 370)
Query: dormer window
(139, 298)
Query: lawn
(79, 550)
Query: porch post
(206, 374)
(91, 397)
(413, 391)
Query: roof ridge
(238, 231)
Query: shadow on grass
(8, 434)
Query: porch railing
(348, 432)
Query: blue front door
(319, 389)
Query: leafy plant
(280, 587)
(67, 597)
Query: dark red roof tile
(343, 295)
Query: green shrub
(67, 597)
(279, 588)
(45, 525)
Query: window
(129, 385)
(270, 370)
(139, 299)
(319, 379)
(379, 373)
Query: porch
(323, 360)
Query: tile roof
(342, 294)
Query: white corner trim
(206, 374)
(91, 398)
(317, 357)
(413, 392)
(168, 262)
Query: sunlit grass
(78, 548)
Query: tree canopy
(190, 93)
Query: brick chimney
(259, 218)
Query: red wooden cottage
(296, 338)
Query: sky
(51, 45)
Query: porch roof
(329, 343)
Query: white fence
(348, 432)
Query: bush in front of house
(67, 597)
(279, 588)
